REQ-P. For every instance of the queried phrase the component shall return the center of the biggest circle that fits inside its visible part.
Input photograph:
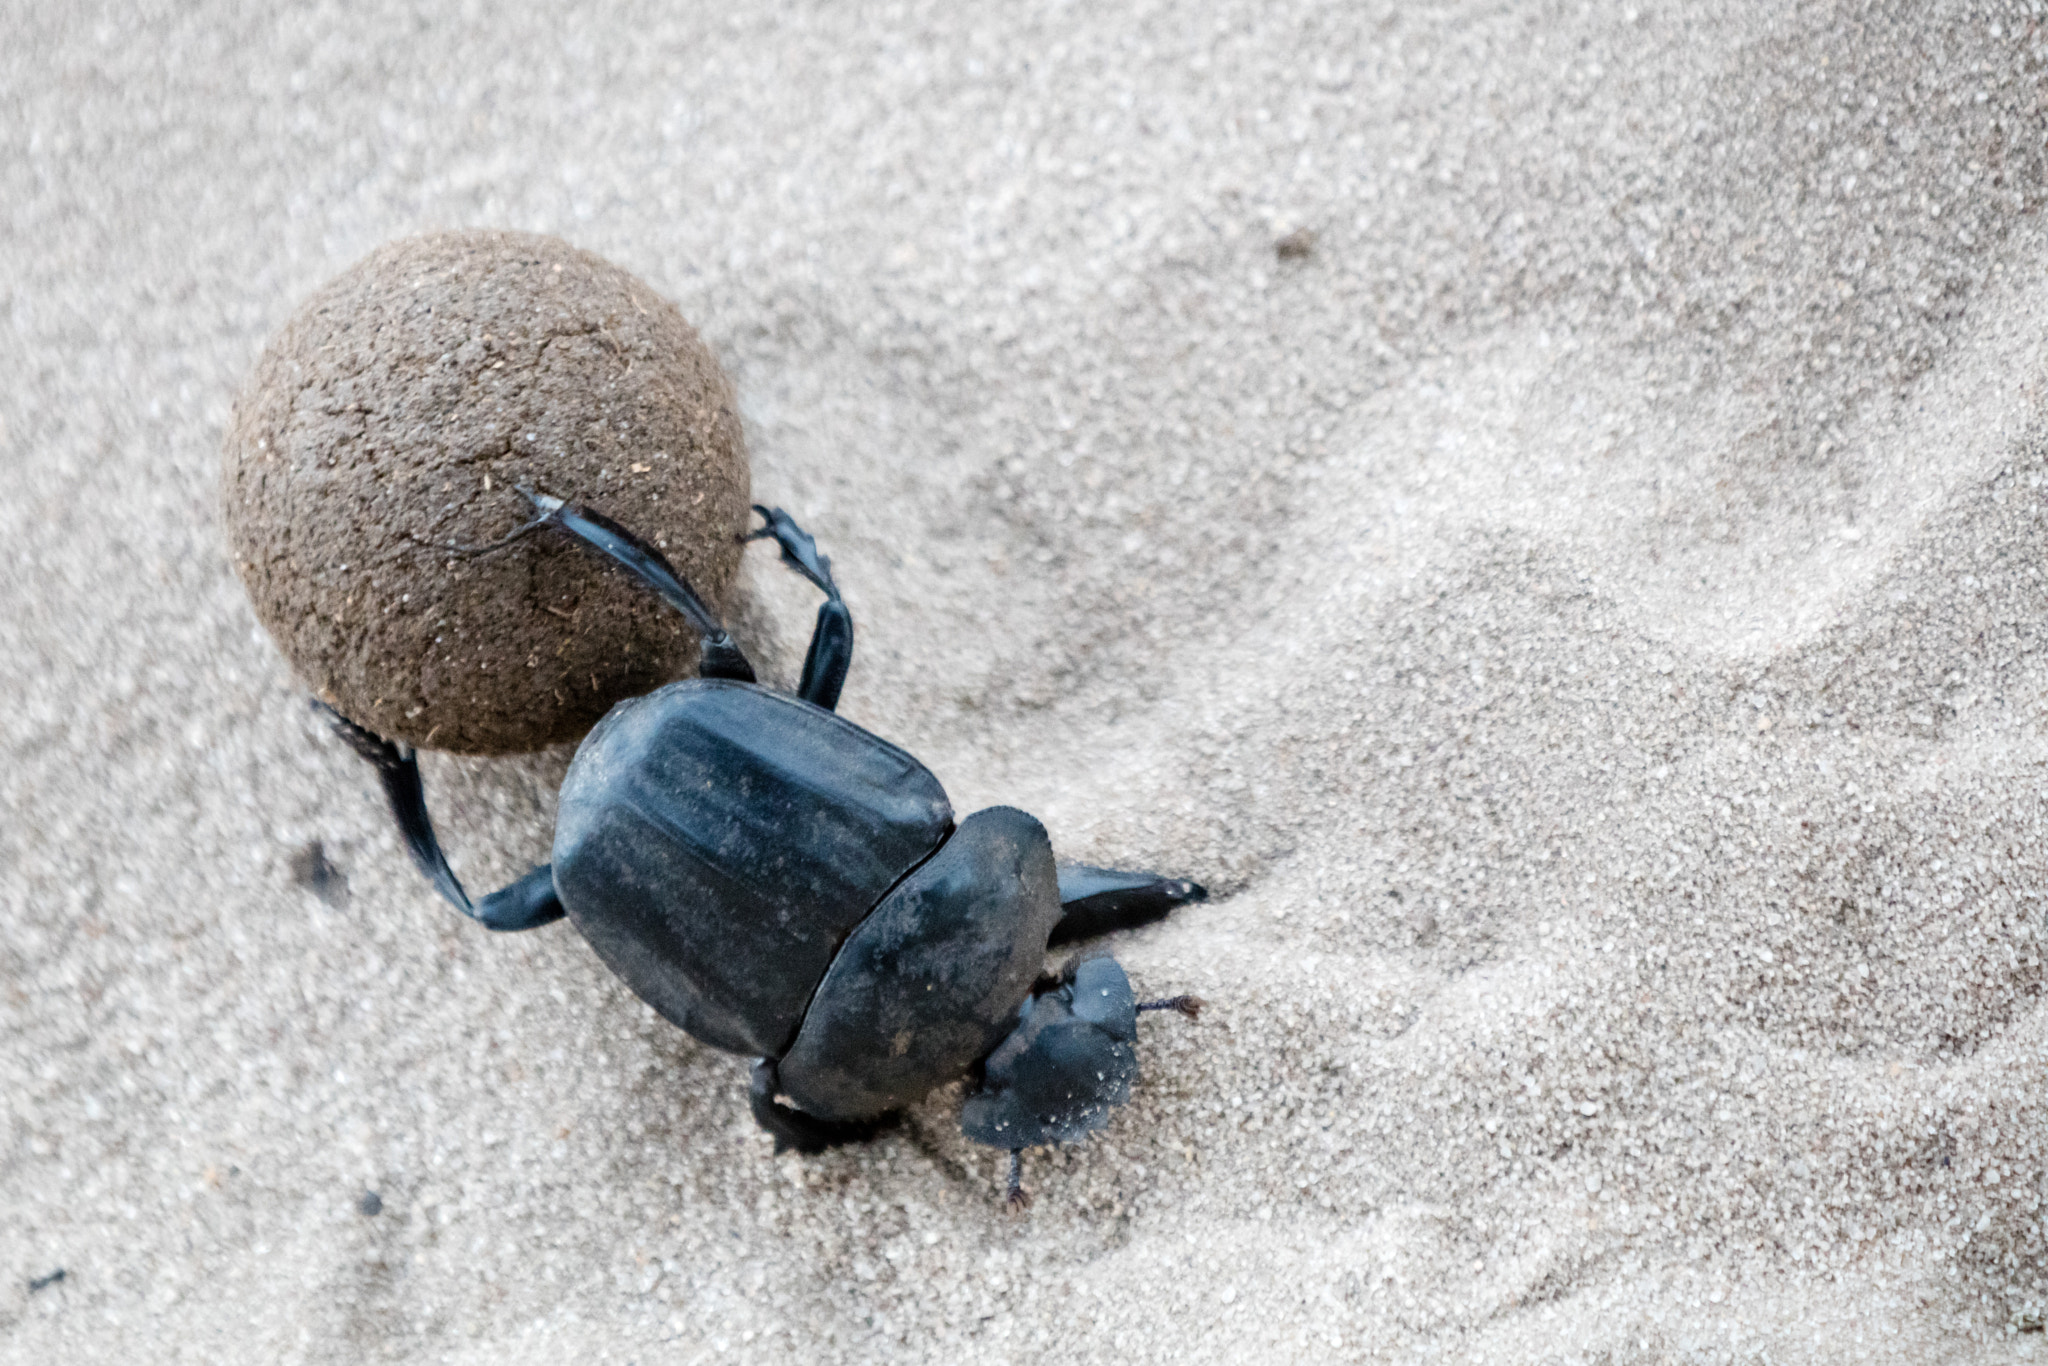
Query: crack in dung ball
(393, 417)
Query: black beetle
(783, 884)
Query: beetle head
(1070, 1060)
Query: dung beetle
(785, 885)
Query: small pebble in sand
(1298, 245)
(392, 418)
(313, 870)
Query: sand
(1581, 618)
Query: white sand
(1585, 620)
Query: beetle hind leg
(526, 904)
(831, 652)
(792, 1128)
(718, 656)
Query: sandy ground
(1584, 618)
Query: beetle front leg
(793, 1128)
(1019, 1199)
(1098, 900)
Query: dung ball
(383, 438)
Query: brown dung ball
(393, 419)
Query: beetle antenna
(1190, 1006)
(1019, 1198)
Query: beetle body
(781, 883)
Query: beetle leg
(799, 548)
(526, 904)
(830, 655)
(831, 652)
(793, 1128)
(1097, 900)
(1019, 1199)
(717, 654)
